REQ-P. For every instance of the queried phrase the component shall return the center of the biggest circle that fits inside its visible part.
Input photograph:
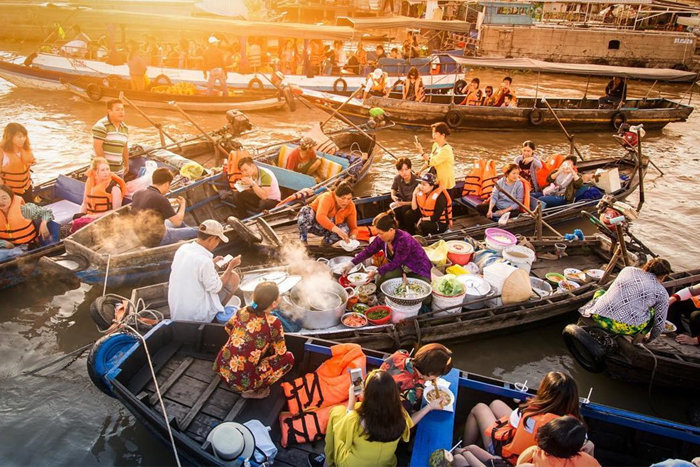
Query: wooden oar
(340, 107)
(526, 209)
(218, 148)
(569, 136)
(346, 120)
(158, 126)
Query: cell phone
(224, 261)
(356, 380)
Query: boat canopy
(393, 22)
(660, 74)
(212, 25)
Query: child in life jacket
(505, 432)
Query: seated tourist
(332, 216)
(255, 356)
(504, 90)
(508, 101)
(636, 303)
(404, 255)
(472, 93)
(488, 99)
(23, 225)
(686, 302)
(394, 53)
(563, 183)
(413, 87)
(432, 206)
(155, 221)
(615, 93)
(556, 396)
(377, 84)
(405, 183)
(303, 159)
(529, 163)
(367, 433)
(499, 204)
(16, 160)
(196, 291)
(104, 191)
(262, 190)
(431, 362)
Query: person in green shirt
(441, 159)
(367, 432)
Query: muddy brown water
(63, 420)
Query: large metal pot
(335, 264)
(308, 310)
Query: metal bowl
(389, 288)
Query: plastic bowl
(554, 277)
(500, 237)
(568, 286)
(381, 320)
(595, 274)
(348, 315)
(358, 278)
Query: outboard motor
(238, 123)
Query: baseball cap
(428, 178)
(212, 227)
(378, 73)
(213, 39)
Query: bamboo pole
(218, 148)
(527, 210)
(158, 126)
(340, 107)
(346, 120)
(569, 136)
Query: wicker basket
(389, 286)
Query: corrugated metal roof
(614, 2)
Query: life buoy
(255, 84)
(94, 92)
(73, 263)
(289, 98)
(243, 231)
(340, 85)
(162, 80)
(536, 117)
(618, 119)
(584, 348)
(104, 355)
(453, 119)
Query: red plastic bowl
(379, 308)
(343, 280)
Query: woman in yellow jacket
(367, 433)
(441, 159)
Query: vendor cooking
(403, 252)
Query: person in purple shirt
(403, 252)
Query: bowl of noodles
(430, 394)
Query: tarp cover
(661, 74)
(362, 24)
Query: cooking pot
(335, 264)
(308, 314)
(477, 288)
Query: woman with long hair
(368, 432)
(506, 432)
(104, 191)
(255, 356)
(24, 225)
(413, 87)
(16, 158)
(529, 163)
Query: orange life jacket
(378, 85)
(426, 204)
(310, 397)
(510, 442)
(472, 182)
(489, 177)
(232, 171)
(548, 167)
(15, 227)
(472, 98)
(99, 195)
(16, 173)
(366, 232)
(526, 193)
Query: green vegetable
(377, 314)
(448, 285)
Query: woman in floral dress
(255, 355)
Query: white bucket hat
(213, 39)
(378, 73)
(231, 440)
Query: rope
(651, 381)
(104, 289)
(160, 397)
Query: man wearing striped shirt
(110, 137)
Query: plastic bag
(192, 170)
(263, 441)
(437, 253)
(504, 219)
(143, 181)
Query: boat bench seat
(70, 189)
(63, 211)
(470, 201)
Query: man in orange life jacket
(155, 221)
(432, 206)
(376, 84)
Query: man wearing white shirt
(196, 292)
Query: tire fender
(618, 119)
(340, 85)
(104, 355)
(584, 348)
(255, 84)
(536, 117)
(162, 80)
(94, 92)
(453, 119)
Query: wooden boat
(64, 196)
(578, 114)
(244, 101)
(474, 320)
(196, 401)
(467, 223)
(113, 251)
(661, 362)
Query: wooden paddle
(569, 136)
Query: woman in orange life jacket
(432, 206)
(505, 432)
(499, 204)
(104, 191)
(16, 159)
(368, 432)
(255, 355)
(529, 163)
(23, 224)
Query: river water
(63, 420)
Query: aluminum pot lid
(475, 285)
(283, 280)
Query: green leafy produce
(448, 285)
(411, 290)
(377, 314)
